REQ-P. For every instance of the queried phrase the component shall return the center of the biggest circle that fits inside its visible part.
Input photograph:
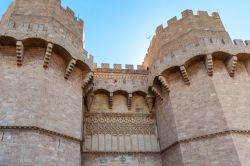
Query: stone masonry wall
(180, 33)
(191, 108)
(241, 142)
(218, 151)
(195, 90)
(32, 148)
(172, 157)
(194, 118)
(121, 160)
(47, 20)
(34, 96)
(195, 106)
(233, 95)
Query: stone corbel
(47, 55)
(184, 75)
(87, 79)
(111, 100)
(231, 65)
(88, 89)
(156, 92)
(19, 52)
(163, 82)
(130, 96)
(209, 64)
(69, 68)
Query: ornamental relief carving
(120, 76)
(119, 124)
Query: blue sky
(118, 31)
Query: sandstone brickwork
(187, 105)
(201, 120)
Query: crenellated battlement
(188, 14)
(204, 46)
(72, 16)
(88, 58)
(190, 95)
(105, 67)
(181, 32)
(47, 20)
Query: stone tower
(201, 80)
(43, 68)
(187, 105)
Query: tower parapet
(203, 46)
(185, 31)
(47, 20)
(198, 76)
(129, 68)
(42, 44)
(193, 83)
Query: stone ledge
(42, 130)
(211, 135)
(123, 71)
(117, 114)
(116, 152)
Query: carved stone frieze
(120, 76)
(119, 124)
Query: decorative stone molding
(111, 75)
(184, 75)
(19, 52)
(207, 136)
(231, 65)
(70, 68)
(20, 49)
(87, 79)
(42, 130)
(88, 89)
(209, 64)
(156, 92)
(164, 82)
(130, 101)
(48, 54)
(119, 124)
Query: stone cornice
(207, 136)
(121, 71)
(117, 114)
(116, 152)
(119, 124)
(41, 130)
(119, 75)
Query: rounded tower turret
(42, 69)
(200, 79)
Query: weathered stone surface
(33, 96)
(172, 157)
(29, 148)
(59, 108)
(219, 151)
(122, 159)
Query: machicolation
(187, 104)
